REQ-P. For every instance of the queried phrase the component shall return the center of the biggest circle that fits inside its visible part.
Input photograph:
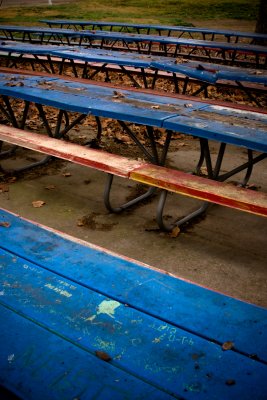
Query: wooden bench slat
(93, 158)
(202, 188)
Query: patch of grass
(173, 12)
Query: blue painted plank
(164, 356)
(132, 106)
(226, 33)
(37, 364)
(185, 305)
(223, 124)
(82, 54)
(138, 38)
(212, 72)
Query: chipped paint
(11, 358)
(107, 307)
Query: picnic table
(229, 53)
(206, 121)
(81, 322)
(89, 63)
(178, 31)
(84, 62)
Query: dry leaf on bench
(5, 224)
(38, 203)
(102, 355)
(227, 345)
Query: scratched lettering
(56, 289)
(68, 285)
(172, 334)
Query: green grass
(174, 12)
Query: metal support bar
(124, 206)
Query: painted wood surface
(151, 27)
(89, 157)
(199, 311)
(36, 364)
(156, 352)
(133, 38)
(202, 188)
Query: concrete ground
(226, 251)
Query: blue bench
(180, 31)
(80, 322)
(229, 53)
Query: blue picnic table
(81, 322)
(169, 30)
(206, 121)
(230, 53)
(89, 62)
(84, 62)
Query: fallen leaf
(12, 179)
(14, 84)
(80, 222)
(38, 203)
(230, 382)
(186, 105)
(66, 174)
(175, 232)
(227, 345)
(155, 107)
(50, 187)
(4, 188)
(118, 95)
(5, 224)
(102, 355)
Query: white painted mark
(10, 358)
(107, 307)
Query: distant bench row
(88, 63)
(227, 53)
(226, 125)
(168, 30)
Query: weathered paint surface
(51, 301)
(97, 159)
(202, 188)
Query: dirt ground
(225, 251)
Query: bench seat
(153, 175)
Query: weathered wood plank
(185, 305)
(202, 188)
(88, 157)
(37, 364)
